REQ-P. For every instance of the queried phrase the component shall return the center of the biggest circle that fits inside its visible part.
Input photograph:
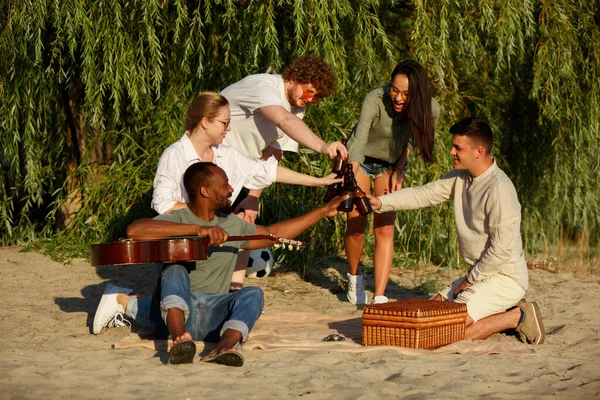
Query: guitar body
(168, 250)
(128, 252)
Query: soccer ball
(260, 263)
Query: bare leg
(355, 229)
(493, 324)
(176, 324)
(239, 273)
(383, 226)
(183, 349)
(353, 240)
(123, 299)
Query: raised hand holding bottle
(348, 188)
(339, 167)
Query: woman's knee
(356, 226)
(385, 232)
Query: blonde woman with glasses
(207, 124)
(394, 119)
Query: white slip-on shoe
(356, 290)
(379, 300)
(109, 313)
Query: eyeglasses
(310, 95)
(225, 123)
(394, 92)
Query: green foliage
(91, 93)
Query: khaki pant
(488, 297)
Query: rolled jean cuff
(139, 310)
(173, 301)
(237, 326)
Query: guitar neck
(273, 238)
(251, 237)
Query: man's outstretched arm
(291, 228)
(295, 128)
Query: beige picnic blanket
(305, 331)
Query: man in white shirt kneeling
(488, 218)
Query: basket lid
(416, 308)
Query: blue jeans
(207, 315)
(139, 310)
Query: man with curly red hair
(267, 112)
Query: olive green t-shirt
(214, 274)
(378, 134)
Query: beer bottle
(334, 189)
(348, 188)
(361, 202)
(339, 167)
(339, 163)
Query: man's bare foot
(224, 352)
(183, 350)
(185, 336)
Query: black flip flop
(229, 358)
(183, 352)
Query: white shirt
(241, 171)
(487, 215)
(251, 132)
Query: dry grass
(578, 258)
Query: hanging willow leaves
(92, 92)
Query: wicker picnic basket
(414, 323)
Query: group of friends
(208, 184)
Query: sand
(49, 352)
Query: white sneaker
(379, 300)
(356, 291)
(109, 313)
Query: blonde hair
(206, 104)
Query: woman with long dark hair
(394, 119)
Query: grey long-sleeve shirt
(488, 219)
(378, 134)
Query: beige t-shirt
(213, 275)
(488, 220)
(251, 132)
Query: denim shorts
(374, 167)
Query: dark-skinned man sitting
(196, 305)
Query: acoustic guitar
(169, 250)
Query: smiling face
(464, 152)
(399, 93)
(220, 190)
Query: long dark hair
(420, 116)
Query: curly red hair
(314, 70)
